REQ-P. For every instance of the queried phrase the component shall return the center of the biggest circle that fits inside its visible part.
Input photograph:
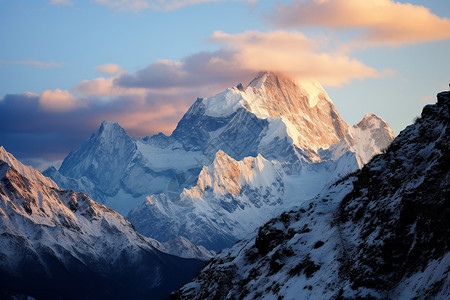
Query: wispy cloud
(109, 69)
(61, 2)
(32, 62)
(383, 22)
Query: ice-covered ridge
(182, 247)
(232, 197)
(314, 91)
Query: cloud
(58, 101)
(32, 62)
(202, 74)
(164, 5)
(98, 87)
(243, 55)
(176, 4)
(294, 54)
(61, 2)
(109, 69)
(383, 22)
(102, 87)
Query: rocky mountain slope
(158, 182)
(57, 244)
(380, 233)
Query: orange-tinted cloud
(109, 69)
(58, 100)
(294, 54)
(382, 21)
(166, 5)
(104, 87)
(242, 56)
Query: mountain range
(234, 161)
(310, 206)
(379, 233)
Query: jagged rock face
(61, 244)
(380, 233)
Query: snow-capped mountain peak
(310, 120)
(312, 89)
(304, 104)
(26, 171)
(109, 130)
(367, 138)
(103, 158)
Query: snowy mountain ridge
(26, 171)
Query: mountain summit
(305, 106)
(277, 117)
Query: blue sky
(67, 65)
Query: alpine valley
(234, 161)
